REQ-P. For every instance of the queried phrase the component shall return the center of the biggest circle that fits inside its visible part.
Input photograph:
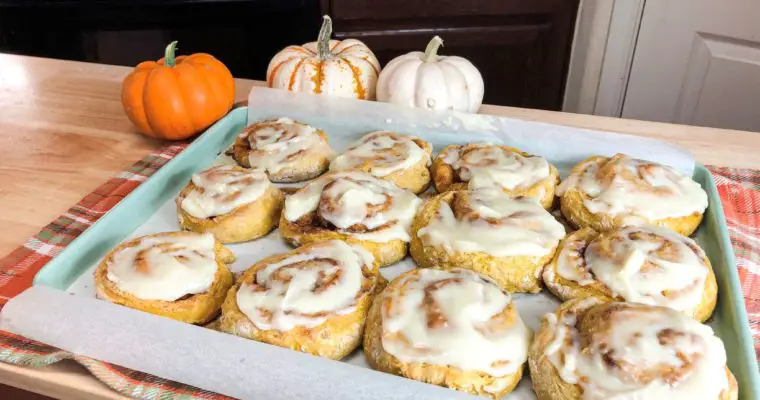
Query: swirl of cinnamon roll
(353, 206)
(401, 159)
(648, 265)
(179, 275)
(286, 150)
(451, 328)
(313, 299)
(593, 350)
(481, 165)
(507, 239)
(604, 193)
(233, 203)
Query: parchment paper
(247, 369)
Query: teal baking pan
(729, 321)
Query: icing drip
(637, 352)
(307, 287)
(490, 221)
(165, 267)
(627, 187)
(220, 190)
(385, 152)
(571, 263)
(278, 145)
(488, 166)
(356, 204)
(652, 266)
(454, 318)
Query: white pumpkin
(427, 80)
(345, 68)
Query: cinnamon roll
(288, 151)
(482, 165)
(605, 193)
(448, 328)
(592, 350)
(353, 206)
(233, 203)
(401, 159)
(649, 265)
(178, 275)
(313, 299)
(506, 239)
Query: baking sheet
(530, 307)
(36, 313)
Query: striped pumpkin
(345, 68)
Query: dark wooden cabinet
(521, 47)
(244, 34)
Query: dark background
(522, 47)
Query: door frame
(602, 54)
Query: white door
(697, 62)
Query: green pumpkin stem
(431, 51)
(169, 56)
(323, 41)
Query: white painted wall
(603, 48)
(587, 56)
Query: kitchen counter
(63, 133)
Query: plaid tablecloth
(739, 191)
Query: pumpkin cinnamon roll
(401, 159)
(233, 203)
(448, 328)
(506, 239)
(353, 206)
(313, 299)
(482, 165)
(649, 265)
(288, 151)
(592, 350)
(605, 193)
(178, 275)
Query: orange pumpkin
(176, 98)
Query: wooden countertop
(63, 133)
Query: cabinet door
(697, 63)
(521, 48)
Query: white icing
(641, 270)
(487, 166)
(276, 145)
(220, 190)
(348, 199)
(386, 152)
(307, 288)
(636, 188)
(568, 261)
(501, 226)
(453, 318)
(163, 267)
(649, 341)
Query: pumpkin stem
(431, 51)
(169, 55)
(323, 41)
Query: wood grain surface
(63, 133)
